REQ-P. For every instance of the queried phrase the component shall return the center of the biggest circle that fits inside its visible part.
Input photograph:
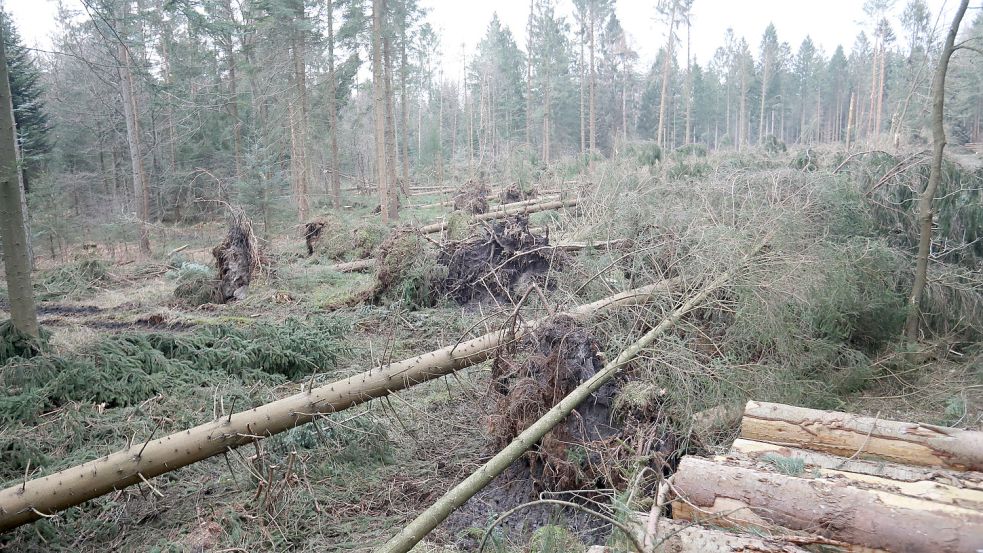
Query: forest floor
(815, 322)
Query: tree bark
(592, 16)
(379, 108)
(333, 111)
(861, 437)
(299, 114)
(26, 501)
(934, 178)
(729, 493)
(666, 67)
(680, 537)
(17, 261)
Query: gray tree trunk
(17, 261)
(934, 177)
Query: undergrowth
(126, 369)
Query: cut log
(680, 537)
(730, 495)
(353, 266)
(969, 480)
(862, 437)
(32, 499)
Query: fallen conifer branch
(41, 497)
(423, 524)
(506, 212)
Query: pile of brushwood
(498, 262)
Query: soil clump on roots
(594, 449)
(499, 262)
(472, 198)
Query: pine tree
(33, 128)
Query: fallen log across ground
(365, 264)
(861, 437)
(506, 211)
(426, 521)
(42, 497)
(865, 515)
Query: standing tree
(17, 262)
(934, 178)
(379, 102)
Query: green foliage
(33, 128)
(805, 160)
(14, 343)
(408, 271)
(645, 153)
(690, 150)
(126, 369)
(366, 237)
(773, 145)
(689, 169)
(789, 466)
(555, 539)
(72, 280)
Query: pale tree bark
(379, 108)
(727, 492)
(392, 150)
(765, 75)
(666, 66)
(16, 259)
(529, 76)
(333, 111)
(689, 87)
(849, 120)
(860, 437)
(583, 95)
(403, 106)
(131, 113)
(934, 178)
(592, 121)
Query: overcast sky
(828, 22)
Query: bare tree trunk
(391, 147)
(299, 112)
(131, 113)
(592, 17)
(689, 87)
(403, 107)
(666, 66)
(849, 120)
(934, 178)
(529, 77)
(333, 111)
(583, 96)
(16, 256)
(764, 94)
(379, 107)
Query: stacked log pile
(804, 476)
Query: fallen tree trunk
(505, 212)
(44, 496)
(679, 537)
(856, 436)
(424, 523)
(364, 264)
(867, 516)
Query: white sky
(828, 22)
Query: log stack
(839, 480)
